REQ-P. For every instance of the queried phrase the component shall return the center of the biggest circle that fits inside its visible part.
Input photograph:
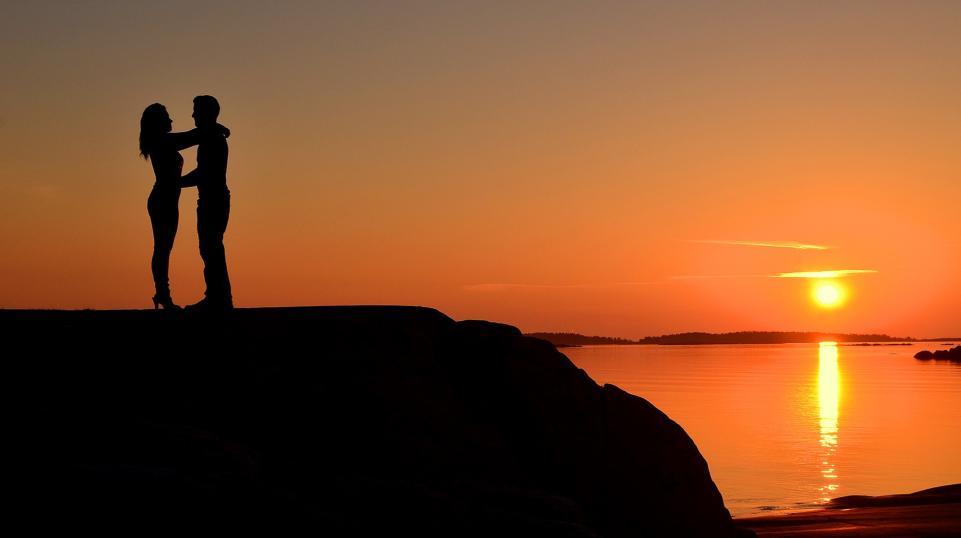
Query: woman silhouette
(162, 148)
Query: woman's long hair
(153, 125)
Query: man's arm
(191, 178)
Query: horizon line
(826, 333)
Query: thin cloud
(500, 287)
(838, 273)
(493, 287)
(769, 244)
(706, 277)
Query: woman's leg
(164, 217)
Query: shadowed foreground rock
(343, 421)
(931, 513)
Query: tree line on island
(567, 339)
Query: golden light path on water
(829, 396)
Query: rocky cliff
(340, 421)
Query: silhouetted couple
(162, 148)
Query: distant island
(740, 337)
(574, 339)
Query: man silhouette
(213, 206)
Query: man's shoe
(206, 305)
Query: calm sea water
(790, 426)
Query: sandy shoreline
(928, 513)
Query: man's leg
(212, 216)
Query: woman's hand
(223, 130)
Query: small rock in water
(953, 354)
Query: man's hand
(190, 179)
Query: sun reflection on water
(829, 396)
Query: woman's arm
(193, 137)
(184, 140)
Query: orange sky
(556, 166)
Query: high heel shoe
(165, 302)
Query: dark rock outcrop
(933, 513)
(953, 355)
(340, 421)
(939, 495)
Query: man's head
(206, 110)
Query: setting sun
(828, 294)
